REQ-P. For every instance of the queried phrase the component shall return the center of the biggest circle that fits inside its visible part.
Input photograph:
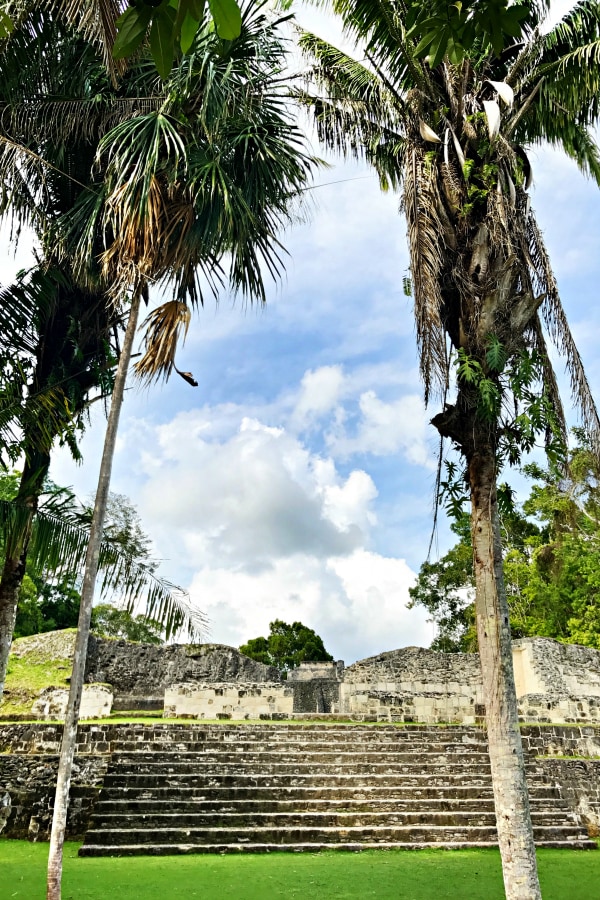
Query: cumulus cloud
(255, 497)
(386, 428)
(319, 393)
(357, 603)
(267, 527)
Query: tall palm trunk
(35, 470)
(67, 750)
(511, 799)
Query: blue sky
(296, 481)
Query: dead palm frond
(96, 20)
(165, 328)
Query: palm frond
(421, 202)
(57, 547)
(555, 319)
(96, 20)
(165, 327)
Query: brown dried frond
(454, 87)
(558, 327)
(151, 233)
(421, 203)
(452, 184)
(164, 328)
(96, 20)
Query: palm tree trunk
(16, 545)
(67, 750)
(513, 819)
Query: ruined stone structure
(140, 673)
(555, 683)
(195, 786)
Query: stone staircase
(255, 788)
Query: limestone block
(232, 701)
(96, 702)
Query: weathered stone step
(297, 793)
(309, 819)
(436, 803)
(309, 847)
(245, 768)
(294, 757)
(154, 743)
(296, 834)
(392, 779)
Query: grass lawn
(418, 875)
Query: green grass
(411, 875)
(26, 677)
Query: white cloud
(356, 603)
(383, 429)
(268, 528)
(319, 393)
(254, 497)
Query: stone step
(427, 833)
(296, 757)
(255, 788)
(158, 849)
(298, 793)
(208, 769)
(104, 808)
(191, 744)
(391, 780)
(309, 819)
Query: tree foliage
(551, 563)
(287, 646)
(111, 621)
(49, 596)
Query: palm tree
(190, 184)
(59, 349)
(60, 112)
(451, 133)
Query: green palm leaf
(58, 547)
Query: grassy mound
(36, 662)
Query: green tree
(110, 621)
(287, 646)
(56, 340)
(451, 130)
(551, 563)
(48, 597)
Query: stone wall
(561, 740)
(556, 682)
(96, 702)
(139, 673)
(578, 781)
(544, 666)
(414, 685)
(229, 701)
(27, 786)
(317, 686)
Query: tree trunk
(17, 543)
(67, 750)
(513, 819)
